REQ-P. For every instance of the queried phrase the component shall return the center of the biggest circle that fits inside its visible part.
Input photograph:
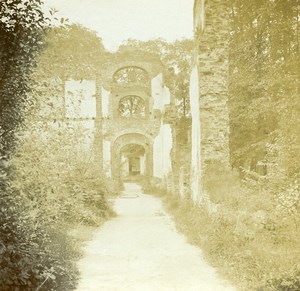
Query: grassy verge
(252, 249)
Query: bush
(30, 252)
(58, 176)
(246, 238)
(41, 190)
(288, 281)
(52, 184)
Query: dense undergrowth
(245, 236)
(49, 182)
(54, 187)
(52, 167)
(33, 254)
(50, 186)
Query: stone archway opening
(133, 162)
(132, 158)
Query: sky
(118, 20)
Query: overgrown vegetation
(249, 246)
(241, 234)
(264, 89)
(58, 176)
(250, 227)
(254, 256)
(48, 183)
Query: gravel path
(140, 250)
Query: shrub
(288, 281)
(30, 252)
(41, 189)
(58, 176)
(246, 238)
(52, 184)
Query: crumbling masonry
(209, 92)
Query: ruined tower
(136, 141)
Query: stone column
(212, 29)
(149, 162)
(98, 137)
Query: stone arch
(133, 159)
(147, 137)
(131, 75)
(126, 139)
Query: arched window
(131, 75)
(132, 106)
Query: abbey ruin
(129, 112)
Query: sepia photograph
(149, 145)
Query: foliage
(20, 40)
(25, 247)
(71, 51)
(35, 248)
(30, 252)
(284, 282)
(67, 176)
(250, 246)
(264, 100)
(56, 173)
(177, 59)
(264, 82)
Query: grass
(245, 240)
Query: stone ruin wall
(91, 103)
(211, 65)
(156, 97)
(209, 131)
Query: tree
(32, 254)
(264, 95)
(177, 59)
(21, 25)
(71, 51)
(68, 52)
(263, 62)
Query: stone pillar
(196, 147)
(98, 139)
(211, 25)
(149, 163)
(116, 164)
(143, 164)
(213, 54)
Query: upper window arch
(131, 75)
(132, 106)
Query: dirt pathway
(140, 250)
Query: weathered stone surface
(148, 129)
(211, 37)
(126, 103)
